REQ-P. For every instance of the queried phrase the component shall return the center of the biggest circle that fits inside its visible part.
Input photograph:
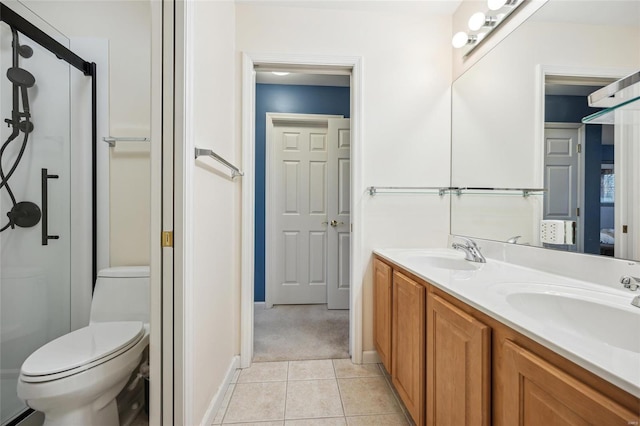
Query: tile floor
(317, 392)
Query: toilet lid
(83, 346)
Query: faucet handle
(632, 283)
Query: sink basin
(442, 262)
(439, 258)
(614, 325)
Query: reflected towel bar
(111, 140)
(373, 190)
(235, 172)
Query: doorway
(305, 137)
(304, 65)
(574, 154)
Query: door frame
(270, 214)
(542, 71)
(337, 64)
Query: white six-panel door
(306, 255)
(339, 233)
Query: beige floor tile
(254, 402)
(313, 398)
(378, 420)
(278, 423)
(335, 421)
(311, 370)
(345, 368)
(264, 372)
(367, 395)
(223, 405)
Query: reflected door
(561, 167)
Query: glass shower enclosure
(35, 199)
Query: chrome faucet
(470, 249)
(632, 283)
(514, 240)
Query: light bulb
(460, 40)
(279, 73)
(477, 21)
(496, 4)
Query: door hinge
(625, 229)
(167, 238)
(578, 211)
(579, 148)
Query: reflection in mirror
(517, 123)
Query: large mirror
(517, 124)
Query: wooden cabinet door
(538, 393)
(382, 295)
(458, 366)
(408, 347)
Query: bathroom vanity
(477, 344)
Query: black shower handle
(45, 207)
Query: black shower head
(21, 77)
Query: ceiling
(434, 7)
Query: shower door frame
(89, 69)
(14, 20)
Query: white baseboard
(216, 401)
(370, 357)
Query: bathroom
(404, 71)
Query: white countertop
(493, 288)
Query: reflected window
(607, 184)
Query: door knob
(335, 223)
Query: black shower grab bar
(45, 207)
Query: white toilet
(75, 378)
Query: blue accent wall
(285, 99)
(571, 109)
(567, 109)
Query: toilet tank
(121, 294)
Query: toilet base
(84, 416)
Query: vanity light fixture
(461, 39)
(479, 20)
(499, 4)
(481, 24)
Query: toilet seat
(81, 350)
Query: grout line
(286, 394)
(335, 373)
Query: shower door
(35, 272)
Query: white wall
(127, 26)
(406, 117)
(214, 289)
